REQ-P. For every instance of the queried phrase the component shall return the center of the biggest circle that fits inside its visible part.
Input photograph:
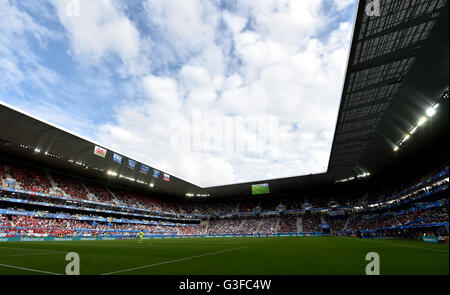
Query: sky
(213, 92)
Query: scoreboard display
(260, 189)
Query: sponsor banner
(154, 236)
(52, 239)
(166, 177)
(430, 239)
(117, 158)
(131, 164)
(144, 169)
(82, 218)
(100, 151)
(336, 213)
(151, 212)
(14, 212)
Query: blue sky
(214, 92)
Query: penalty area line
(29, 269)
(172, 261)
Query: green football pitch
(232, 256)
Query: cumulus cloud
(341, 4)
(236, 92)
(99, 30)
(38, 77)
(18, 63)
(188, 25)
(280, 70)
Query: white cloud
(20, 34)
(189, 25)
(341, 4)
(283, 70)
(163, 92)
(280, 61)
(100, 30)
(29, 80)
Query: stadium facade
(387, 174)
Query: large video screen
(260, 189)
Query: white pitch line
(51, 253)
(172, 261)
(48, 250)
(408, 246)
(30, 269)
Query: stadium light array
(365, 174)
(128, 178)
(430, 112)
(52, 155)
(190, 195)
(346, 179)
(202, 195)
(111, 173)
(98, 169)
(359, 176)
(407, 136)
(413, 130)
(81, 164)
(422, 121)
(413, 193)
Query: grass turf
(287, 255)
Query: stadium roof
(397, 68)
(387, 53)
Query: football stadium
(91, 190)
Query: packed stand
(311, 223)
(31, 180)
(288, 225)
(71, 186)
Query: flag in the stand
(131, 164)
(100, 151)
(166, 177)
(156, 173)
(144, 169)
(117, 158)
